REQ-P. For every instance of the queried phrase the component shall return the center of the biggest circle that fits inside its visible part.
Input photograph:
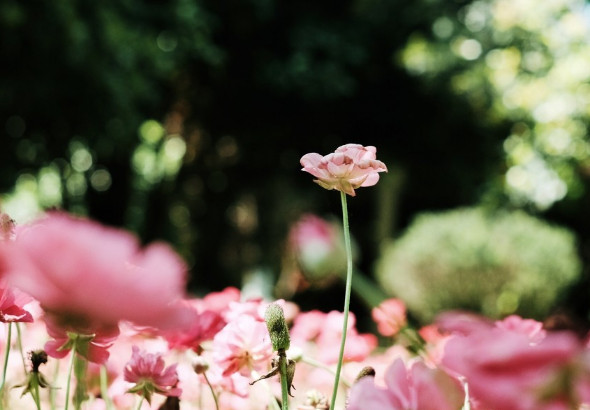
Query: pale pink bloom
(416, 387)
(505, 370)
(76, 267)
(93, 343)
(149, 374)
(12, 302)
(351, 166)
(218, 301)
(241, 346)
(325, 330)
(529, 327)
(390, 316)
(463, 323)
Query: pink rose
(351, 166)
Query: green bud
(277, 327)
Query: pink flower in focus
(241, 346)
(507, 370)
(417, 387)
(148, 372)
(91, 341)
(76, 267)
(351, 166)
(390, 316)
(12, 302)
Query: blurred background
(185, 120)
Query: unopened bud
(367, 371)
(277, 327)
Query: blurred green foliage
(495, 263)
(185, 120)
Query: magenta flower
(90, 341)
(79, 268)
(351, 166)
(148, 372)
(417, 387)
(241, 346)
(390, 316)
(512, 368)
(12, 302)
(204, 326)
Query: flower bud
(277, 327)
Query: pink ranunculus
(76, 267)
(351, 166)
(241, 346)
(506, 369)
(92, 340)
(416, 387)
(390, 316)
(149, 374)
(204, 326)
(12, 302)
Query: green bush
(494, 263)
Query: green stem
(19, 340)
(6, 354)
(140, 402)
(35, 393)
(346, 296)
(212, 391)
(367, 291)
(284, 381)
(70, 370)
(104, 391)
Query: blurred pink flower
(351, 166)
(12, 302)
(529, 327)
(148, 372)
(390, 316)
(77, 267)
(204, 326)
(241, 346)
(325, 329)
(318, 247)
(416, 387)
(91, 341)
(506, 369)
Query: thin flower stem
(104, 387)
(284, 387)
(140, 402)
(70, 370)
(346, 296)
(212, 391)
(35, 393)
(6, 354)
(19, 340)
